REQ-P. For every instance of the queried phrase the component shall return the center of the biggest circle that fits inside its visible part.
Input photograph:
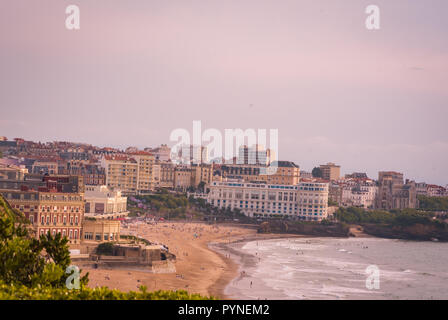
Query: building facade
(121, 173)
(52, 204)
(305, 201)
(102, 202)
(330, 171)
(393, 193)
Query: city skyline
(367, 100)
(343, 171)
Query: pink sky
(137, 69)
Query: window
(88, 235)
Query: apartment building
(330, 171)
(354, 192)
(249, 173)
(46, 166)
(145, 162)
(201, 173)
(92, 173)
(305, 201)
(161, 153)
(282, 172)
(192, 154)
(121, 173)
(254, 155)
(279, 172)
(182, 177)
(167, 172)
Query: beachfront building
(278, 172)
(101, 202)
(304, 201)
(100, 230)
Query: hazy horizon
(136, 70)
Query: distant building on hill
(393, 193)
(330, 171)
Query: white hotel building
(304, 201)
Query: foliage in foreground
(11, 292)
(25, 260)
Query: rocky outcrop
(305, 228)
(422, 232)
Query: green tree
(317, 172)
(201, 186)
(106, 248)
(25, 260)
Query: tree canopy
(316, 172)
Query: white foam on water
(330, 268)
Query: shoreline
(237, 259)
(198, 269)
(201, 266)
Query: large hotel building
(53, 204)
(304, 201)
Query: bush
(405, 217)
(433, 203)
(106, 249)
(10, 292)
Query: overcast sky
(138, 69)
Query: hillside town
(59, 185)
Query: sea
(337, 268)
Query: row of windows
(100, 237)
(72, 234)
(57, 209)
(57, 219)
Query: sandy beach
(199, 269)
